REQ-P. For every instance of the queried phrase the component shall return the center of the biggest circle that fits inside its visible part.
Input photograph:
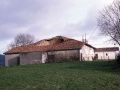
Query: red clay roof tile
(68, 44)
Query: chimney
(84, 40)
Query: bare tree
(109, 21)
(21, 39)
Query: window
(106, 54)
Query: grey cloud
(87, 25)
(46, 18)
(24, 13)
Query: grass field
(60, 76)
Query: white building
(106, 53)
(87, 52)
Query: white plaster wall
(82, 51)
(102, 55)
(44, 57)
(87, 53)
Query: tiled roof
(50, 39)
(107, 49)
(68, 44)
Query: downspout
(104, 55)
(79, 54)
(47, 57)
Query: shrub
(118, 58)
(116, 66)
(94, 58)
(74, 58)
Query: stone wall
(63, 56)
(12, 59)
(31, 58)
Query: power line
(92, 32)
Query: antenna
(85, 35)
(85, 38)
(82, 38)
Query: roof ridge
(67, 44)
(108, 47)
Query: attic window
(61, 40)
(48, 39)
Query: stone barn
(56, 49)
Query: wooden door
(51, 58)
(96, 56)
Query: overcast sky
(49, 18)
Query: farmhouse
(56, 49)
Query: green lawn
(60, 76)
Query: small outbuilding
(106, 53)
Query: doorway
(51, 58)
(96, 56)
